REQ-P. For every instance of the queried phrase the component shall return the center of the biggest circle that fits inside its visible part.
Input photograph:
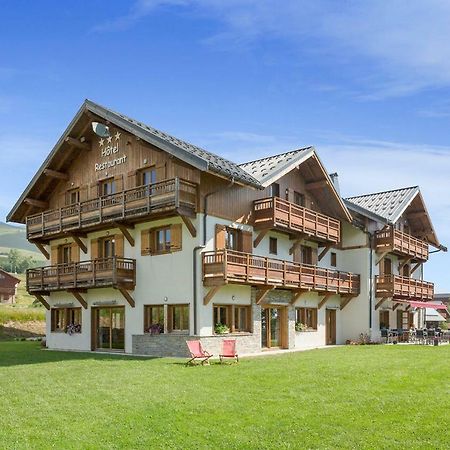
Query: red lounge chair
(229, 349)
(197, 352)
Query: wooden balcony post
(114, 270)
(177, 192)
(74, 275)
(225, 260)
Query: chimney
(335, 179)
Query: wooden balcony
(226, 266)
(98, 273)
(396, 286)
(158, 199)
(276, 213)
(391, 240)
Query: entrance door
(273, 322)
(109, 328)
(330, 327)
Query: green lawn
(371, 397)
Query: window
(231, 239)
(275, 190)
(384, 320)
(147, 176)
(178, 316)
(107, 247)
(63, 318)
(273, 244)
(157, 241)
(333, 258)
(108, 187)
(387, 266)
(306, 255)
(299, 199)
(236, 318)
(406, 271)
(154, 319)
(65, 254)
(73, 196)
(307, 317)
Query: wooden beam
(324, 300)
(127, 297)
(296, 294)
(211, 293)
(261, 294)
(407, 308)
(43, 301)
(415, 267)
(189, 225)
(381, 257)
(35, 202)
(346, 301)
(80, 243)
(325, 251)
(316, 184)
(260, 237)
(403, 263)
(79, 297)
(76, 143)
(296, 243)
(56, 174)
(124, 230)
(42, 249)
(395, 306)
(380, 302)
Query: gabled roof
(389, 207)
(4, 274)
(269, 169)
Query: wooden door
(330, 328)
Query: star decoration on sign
(109, 139)
(101, 142)
(117, 136)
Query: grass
(8, 314)
(363, 397)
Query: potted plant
(73, 328)
(155, 328)
(300, 326)
(221, 328)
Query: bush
(221, 328)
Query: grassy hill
(14, 237)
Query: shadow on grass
(22, 353)
(8, 333)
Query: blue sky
(366, 83)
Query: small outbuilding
(8, 287)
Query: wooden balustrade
(226, 266)
(154, 199)
(395, 241)
(103, 272)
(403, 287)
(276, 213)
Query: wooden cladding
(396, 286)
(158, 199)
(226, 266)
(276, 213)
(395, 241)
(163, 239)
(102, 272)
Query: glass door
(271, 327)
(110, 328)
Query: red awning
(415, 304)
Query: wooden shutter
(246, 241)
(220, 236)
(160, 172)
(54, 254)
(314, 257)
(132, 180)
(118, 180)
(118, 239)
(94, 191)
(290, 195)
(94, 248)
(176, 232)
(75, 252)
(145, 242)
(83, 193)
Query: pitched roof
(6, 275)
(266, 170)
(388, 205)
(175, 146)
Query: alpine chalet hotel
(152, 241)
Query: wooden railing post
(177, 192)
(225, 260)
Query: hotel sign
(110, 148)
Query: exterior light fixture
(166, 298)
(233, 297)
(101, 129)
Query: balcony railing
(157, 198)
(276, 213)
(226, 266)
(394, 241)
(403, 287)
(103, 272)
